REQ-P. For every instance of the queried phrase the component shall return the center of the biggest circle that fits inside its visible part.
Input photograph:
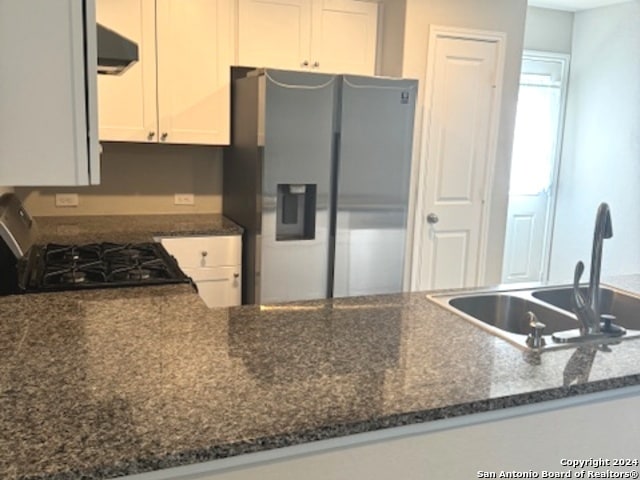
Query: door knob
(432, 218)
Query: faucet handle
(577, 297)
(588, 319)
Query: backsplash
(141, 179)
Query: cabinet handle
(204, 253)
(236, 275)
(316, 64)
(164, 136)
(305, 63)
(150, 135)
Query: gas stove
(29, 267)
(98, 265)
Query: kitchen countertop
(98, 384)
(131, 228)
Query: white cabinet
(217, 286)
(344, 36)
(178, 92)
(333, 36)
(47, 93)
(213, 263)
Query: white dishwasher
(213, 263)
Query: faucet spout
(587, 307)
(603, 230)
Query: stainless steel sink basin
(625, 307)
(504, 313)
(509, 313)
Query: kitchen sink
(625, 307)
(505, 313)
(509, 313)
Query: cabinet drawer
(198, 252)
(218, 286)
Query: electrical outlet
(67, 200)
(183, 199)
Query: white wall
(392, 13)
(601, 150)
(139, 178)
(548, 30)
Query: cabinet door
(45, 92)
(127, 108)
(218, 286)
(274, 33)
(344, 36)
(194, 55)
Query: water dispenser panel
(296, 212)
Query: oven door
(27, 269)
(8, 270)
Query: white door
(534, 167)
(344, 36)
(461, 94)
(274, 33)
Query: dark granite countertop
(98, 384)
(131, 228)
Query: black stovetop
(55, 267)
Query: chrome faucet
(587, 309)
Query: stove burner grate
(68, 267)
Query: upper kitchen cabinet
(48, 121)
(332, 36)
(179, 90)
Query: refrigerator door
(372, 195)
(298, 128)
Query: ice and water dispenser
(296, 212)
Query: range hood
(115, 52)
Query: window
(536, 129)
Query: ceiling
(574, 5)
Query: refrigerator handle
(333, 211)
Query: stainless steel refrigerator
(318, 175)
